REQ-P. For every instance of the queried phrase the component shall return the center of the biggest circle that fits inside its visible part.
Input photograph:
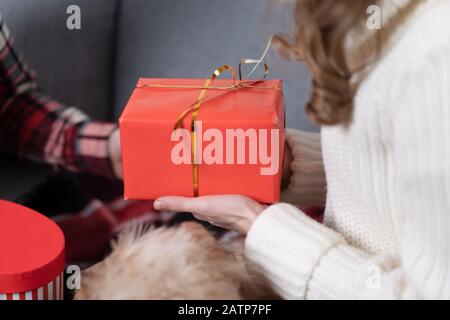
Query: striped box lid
(31, 254)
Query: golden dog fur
(184, 262)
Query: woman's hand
(286, 171)
(232, 212)
(115, 153)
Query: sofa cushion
(73, 66)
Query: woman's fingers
(172, 203)
(232, 212)
(181, 204)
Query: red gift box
(31, 255)
(238, 134)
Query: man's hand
(116, 153)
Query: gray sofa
(95, 68)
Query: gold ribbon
(194, 108)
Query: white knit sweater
(386, 232)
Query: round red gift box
(31, 255)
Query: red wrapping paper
(147, 125)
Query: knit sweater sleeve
(304, 259)
(307, 182)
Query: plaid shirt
(33, 125)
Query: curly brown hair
(321, 27)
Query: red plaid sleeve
(35, 126)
